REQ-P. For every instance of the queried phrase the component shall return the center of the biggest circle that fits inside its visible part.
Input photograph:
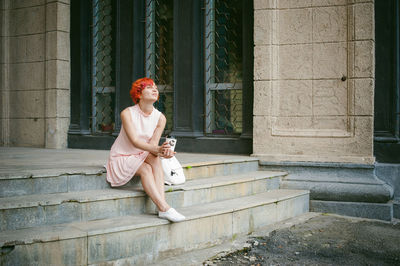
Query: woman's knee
(144, 170)
(154, 161)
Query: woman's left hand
(166, 151)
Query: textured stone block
(27, 20)
(379, 211)
(263, 26)
(364, 130)
(26, 104)
(364, 97)
(49, 185)
(66, 212)
(58, 16)
(329, 60)
(57, 45)
(210, 230)
(353, 145)
(330, 24)
(27, 76)
(292, 207)
(86, 182)
(57, 103)
(264, 4)
(295, 25)
(13, 219)
(137, 244)
(56, 132)
(64, 252)
(100, 209)
(25, 3)
(329, 2)
(294, 4)
(262, 97)
(18, 187)
(364, 21)
(396, 210)
(248, 220)
(295, 61)
(60, 1)
(28, 48)
(58, 74)
(27, 132)
(263, 62)
(261, 127)
(330, 97)
(294, 98)
(362, 60)
(301, 126)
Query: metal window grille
(223, 66)
(103, 67)
(159, 53)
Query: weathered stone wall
(314, 80)
(35, 73)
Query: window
(223, 66)
(103, 67)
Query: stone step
(369, 210)
(141, 239)
(61, 180)
(46, 209)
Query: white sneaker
(172, 215)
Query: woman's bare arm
(155, 139)
(130, 131)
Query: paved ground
(321, 240)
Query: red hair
(138, 86)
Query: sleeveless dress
(125, 159)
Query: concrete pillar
(314, 80)
(35, 73)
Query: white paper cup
(171, 142)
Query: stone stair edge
(36, 200)
(98, 170)
(118, 224)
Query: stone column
(4, 65)
(314, 80)
(23, 82)
(58, 73)
(35, 73)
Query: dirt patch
(322, 240)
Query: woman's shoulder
(126, 111)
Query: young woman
(136, 150)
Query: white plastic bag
(173, 171)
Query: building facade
(284, 80)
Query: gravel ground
(322, 240)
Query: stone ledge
(380, 211)
(334, 182)
(120, 224)
(129, 191)
(396, 209)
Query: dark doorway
(387, 90)
(199, 52)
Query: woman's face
(150, 93)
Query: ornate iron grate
(223, 66)
(159, 53)
(103, 67)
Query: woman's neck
(146, 108)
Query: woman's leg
(151, 188)
(158, 173)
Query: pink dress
(125, 159)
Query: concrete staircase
(75, 218)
